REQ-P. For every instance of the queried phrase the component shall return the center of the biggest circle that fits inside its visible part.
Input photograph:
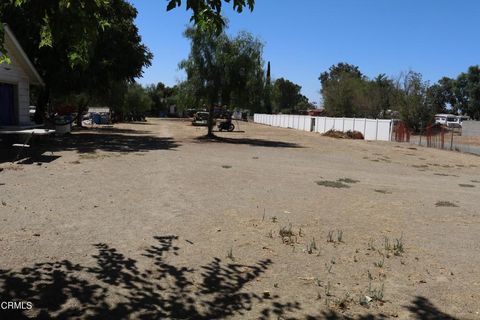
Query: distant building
(316, 112)
(15, 80)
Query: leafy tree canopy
(224, 70)
(57, 23)
(207, 14)
(86, 20)
(286, 95)
(112, 50)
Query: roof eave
(37, 79)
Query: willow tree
(224, 70)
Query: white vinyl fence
(372, 129)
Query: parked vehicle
(200, 119)
(450, 120)
(226, 125)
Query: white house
(15, 80)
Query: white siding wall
(14, 74)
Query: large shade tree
(468, 92)
(286, 95)
(348, 93)
(81, 49)
(223, 70)
(341, 86)
(413, 103)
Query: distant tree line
(347, 92)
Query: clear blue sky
(305, 37)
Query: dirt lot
(145, 221)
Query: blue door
(7, 112)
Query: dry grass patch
(382, 191)
(340, 183)
(13, 168)
(332, 184)
(445, 204)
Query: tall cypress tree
(268, 87)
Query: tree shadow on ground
(87, 142)
(116, 288)
(248, 141)
(230, 132)
(143, 123)
(425, 310)
(111, 129)
(7, 154)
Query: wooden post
(451, 141)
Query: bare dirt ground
(145, 221)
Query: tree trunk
(210, 121)
(80, 110)
(42, 101)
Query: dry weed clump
(332, 184)
(287, 235)
(445, 204)
(344, 135)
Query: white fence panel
(295, 122)
(370, 128)
(348, 124)
(307, 123)
(338, 124)
(289, 121)
(303, 123)
(359, 125)
(384, 130)
(329, 124)
(320, 124)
